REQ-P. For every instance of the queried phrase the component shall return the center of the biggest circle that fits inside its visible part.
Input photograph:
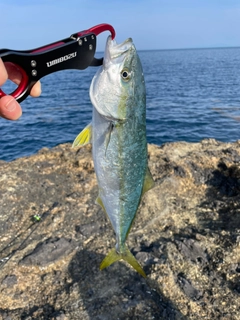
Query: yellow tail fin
(114, 256)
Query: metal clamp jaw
(75, 52)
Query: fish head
(118, 82)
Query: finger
(13, 72)
(9, 108)
(36, 89)
(3, 73)
(15, 75)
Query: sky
(153, 24)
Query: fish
(117, 133)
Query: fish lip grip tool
(75, 52)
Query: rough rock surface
(186, 236)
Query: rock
(47, 252)
(187, 288)
(9, 280)
(186, 235)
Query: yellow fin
(148, 181)
(84, 137)
(114, 256)
(99, 201)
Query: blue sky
(153, 24)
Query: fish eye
(126, 74)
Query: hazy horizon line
(190, 48)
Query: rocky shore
(186, 236)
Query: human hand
(9, 108)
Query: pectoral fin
(84, 137)
(148, 181)
(108, 135)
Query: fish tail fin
(126, 255)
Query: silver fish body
(119, 145)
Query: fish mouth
(114, 50)
(121, 48)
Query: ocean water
(191, 95)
